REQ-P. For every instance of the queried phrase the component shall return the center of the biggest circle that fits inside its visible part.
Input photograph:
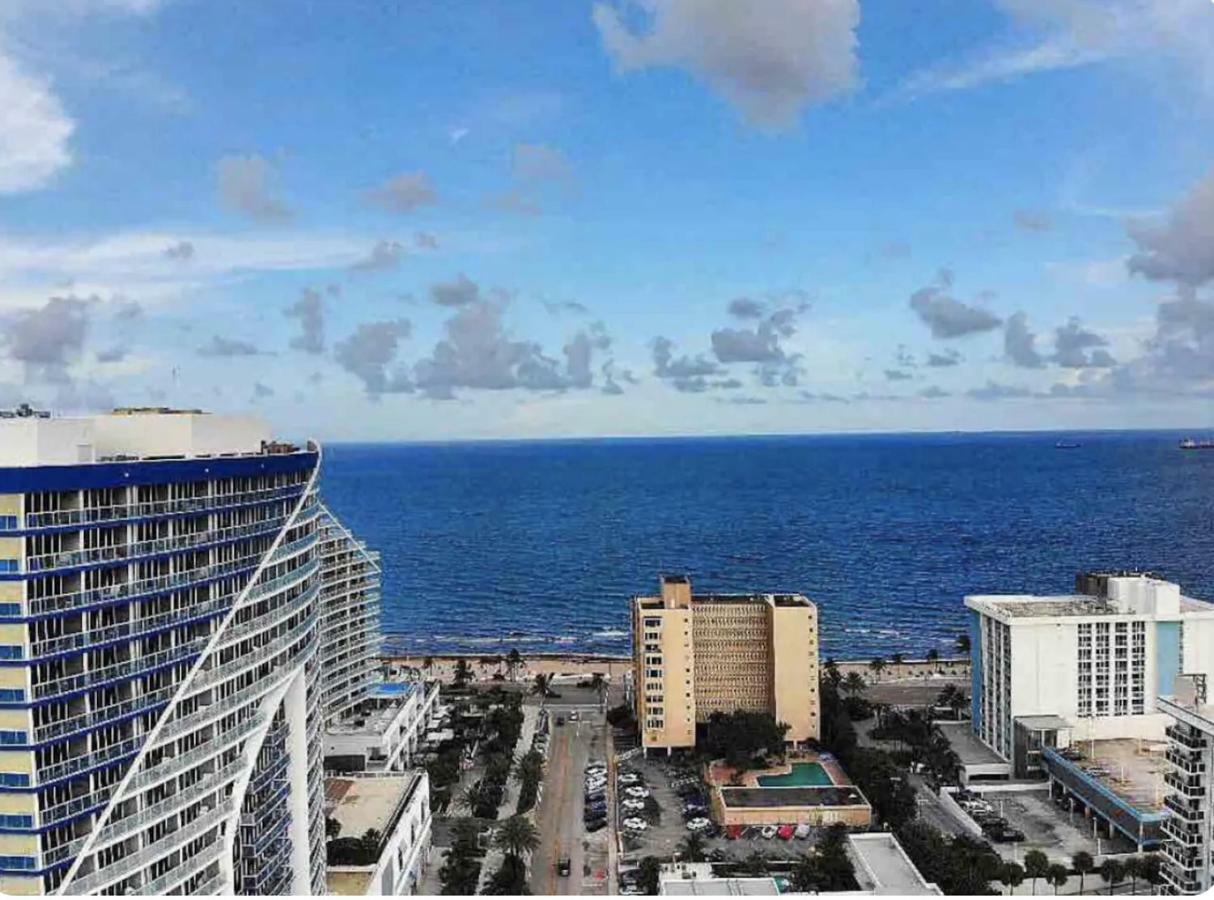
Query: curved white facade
(161, 675)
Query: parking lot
(676, 798)
(1044, 825)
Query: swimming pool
(803, 774)
(392, 689)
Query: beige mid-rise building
(696, 654)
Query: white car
(635, 824)
(634, 805)
(768, 831)
(629, 778)
(698, 824)
(802, 831)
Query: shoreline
(584, 665)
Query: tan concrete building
(696, 654)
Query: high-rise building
(1189, 827)
(163, 580)
(696, 654)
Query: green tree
(896, 658)
(332, 827)
(517, 837)
(1057, 875)
(1111, 872)
(469, 798)
(692, 848)
(1012, 875)
(878, 665)
(854, 684)
(540, 685)
(514, 659)
(962, 644)
(1036, 864)
(830, 671)
(755, 865)
(1084, 865)
(1148, 869)
(650, 880)
(933, 656)
(737, 737)
(463, 672)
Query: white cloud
(249, 185)
(34, 130)
(1050, 35)
(771, 60)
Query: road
(559, 817)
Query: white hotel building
(165, 652)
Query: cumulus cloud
(945, 359)
(1020, 344)
(460, 291)
(667, 365)
(580, 352)
(182, 251)
(760, 344)
(747, 308)
(370, 354)
(897, 375)
(34, 130)
(948, 317)
(993, 390)
(424, 240)
(309, 309)
(384, 256)
(540, 163)
(771, 60)
(228, 347)
(1075, 347)
(1032, 220)
(478, 353)
(249, 185)
(46, 340)
(403, 193)
(1181, 248)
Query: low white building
(396, 808)
(382, 732)
(1091, 664)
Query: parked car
(803, 831)
(594, 825)
(563, 867)
(768, 831)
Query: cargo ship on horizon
(1194, 444)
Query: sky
(389, 220)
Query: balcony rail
(105, 515)
(174, 803)
(125, 670)
(198, 863)
(76, 805)
(130, 630)
(171, 766)
(104, 715)
(128, 865)
(209, 677)
(65, 559)
(88, 761)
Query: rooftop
(885, 868)
(1127, 595)
(360, 804)
(698, 880)
(780, 797)
(971, 751)
(1132, 770)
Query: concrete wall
(179, 434)
(46, 442)
(794, 669)
(859, 816)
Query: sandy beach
(562, 666)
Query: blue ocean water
(539, 545)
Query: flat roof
(886, 864)
(719, 887)
(770, 797)
(1131, 769)
(969, 749)
(348, 881)
(360, 804)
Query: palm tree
(463, 672)
(1057, 875)
(1011, 874)
(514, 659)
(830, 669)
(854, 683)
(428, 664)
(1112, 871)
(468, 799)
(1132, 868)
(541, 684)
(1083, 863)
(896, 658)
(1036, 864)
(599, 685)
(963, 643)
(878, 665)
(692, 848)
(517, 837)
(932, 656)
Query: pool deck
(722, 775)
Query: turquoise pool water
(392, 689)
(803, 774)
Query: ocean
(538, 545)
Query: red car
(733, 832)
(785, 832)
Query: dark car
(596, 825)
(560, 720)
(563, 866)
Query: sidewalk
(493, 856)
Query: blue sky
(434, 221)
